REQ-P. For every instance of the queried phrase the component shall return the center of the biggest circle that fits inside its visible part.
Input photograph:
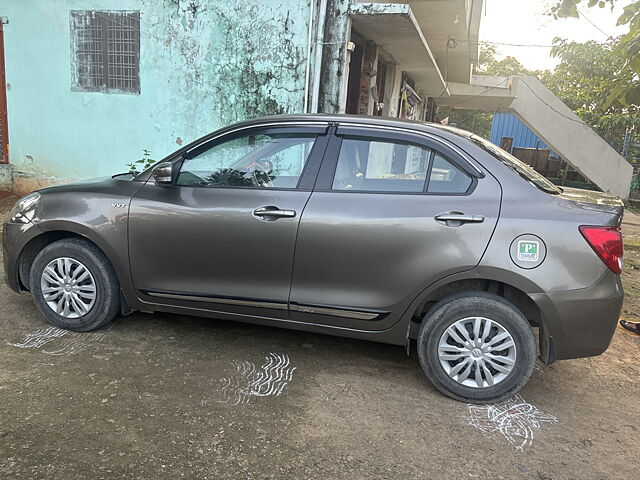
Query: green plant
(626, 82)
(145, 162)
(562, 172)
(635, 184)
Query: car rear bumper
(580, 323)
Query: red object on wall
(4, 130)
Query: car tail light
(607, 243)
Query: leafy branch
(624, 91)
(145, 162)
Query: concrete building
(89, 84)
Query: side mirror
(163, 173)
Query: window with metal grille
(105, 51)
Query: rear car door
(222, 235)
(391, 213)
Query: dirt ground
(166, 396)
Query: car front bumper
(580, 323)
(14, 237)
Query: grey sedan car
(397, 232)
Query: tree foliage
(626, 86)
(584, 79)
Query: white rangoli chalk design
(249, 381)
(39, 338)
(514, 418)
(63, 342)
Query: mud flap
(547, 346)
(125, 309)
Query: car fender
(507, 277)
(112, 243)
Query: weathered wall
(204, 63)
(6, 177)
(335, 58)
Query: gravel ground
(166, 396)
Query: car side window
(446, 177)
(255, 160)
(381, 165)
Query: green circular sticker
(528, 251)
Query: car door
(222, 235)
(392, 212)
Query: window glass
(253, 161)
(447, 178)
(521, 168)
(371, 165)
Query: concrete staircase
(545, 114)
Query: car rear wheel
(74, 286)
(476, 347)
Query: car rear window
(521, 168)
(446, 177)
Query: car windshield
(521, 168)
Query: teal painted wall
(204, 64)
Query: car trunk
(591, 200)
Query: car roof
(450, 133)
(361, 119)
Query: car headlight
(24, 209)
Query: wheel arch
(55, 231)
(31, 249)
(508, 285)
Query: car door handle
(272, 213)
(455, 219)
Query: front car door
(392, 212)
(221, 237)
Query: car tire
(79, 312)
(486, 354)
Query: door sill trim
(194, 297)
(338, 311)
(314, 309)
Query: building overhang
(394, 28)
(490, 93)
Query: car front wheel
(74, 286)
(476, 347)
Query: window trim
(467, 163)
(324, 183)
(176, 157)
(309, 171)
(468, 191)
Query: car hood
(98, 183)
(591, 200)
